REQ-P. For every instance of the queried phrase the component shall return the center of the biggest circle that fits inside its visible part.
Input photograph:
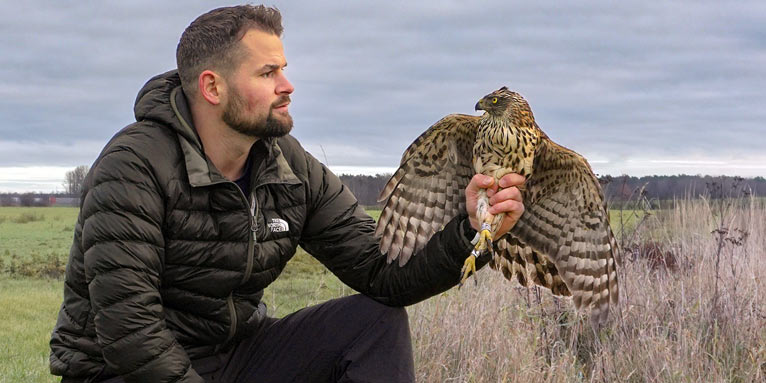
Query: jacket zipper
(249, 267)
(233, 315)
(251, 241)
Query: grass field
(34, 241)
(36, 230)
(28, 309)
(692, 305)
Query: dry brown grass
(702, 320)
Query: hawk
(562, 241)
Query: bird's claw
(485, 241)
(469, 267)
(483, 244)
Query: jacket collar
(202, 172)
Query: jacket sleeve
(123, 245)
(340, 234)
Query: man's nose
(283, 85)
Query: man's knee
(383, 351)
(390, 314)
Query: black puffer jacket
(170, 259)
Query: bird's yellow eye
(494, 100)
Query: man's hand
(507, 200)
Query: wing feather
(518, 261)
(428, 188)
(566, 221)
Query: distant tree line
(666, 188)
(617, 189)
(367, 188)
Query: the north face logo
(278, 225)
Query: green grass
(28, 310)
(41, 231)
(624, 222)
(374, 213)
(304, 282)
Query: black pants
(351, 339)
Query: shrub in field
(37, 266)
(28, 217)
(657, 255)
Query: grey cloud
(622, 80)
(69, 153)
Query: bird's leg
(483, 240)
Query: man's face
(258, 93)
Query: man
(189, 213)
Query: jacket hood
(157, 100)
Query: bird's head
(505, 103)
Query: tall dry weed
(691, 323)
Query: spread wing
(516, 260)
(566, 221)
(428, 189)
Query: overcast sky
(636, 87)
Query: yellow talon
(484, 243)
(469, 267)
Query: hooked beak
(478, 105)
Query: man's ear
(211, 86)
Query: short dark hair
(210, 41)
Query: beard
(234, 115)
